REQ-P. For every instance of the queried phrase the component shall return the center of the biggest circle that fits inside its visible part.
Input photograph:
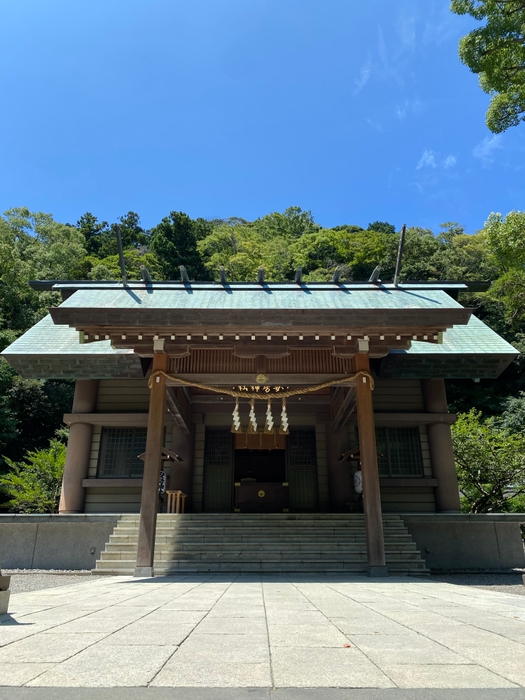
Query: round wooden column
(441, 449)
(152, 463)
(368, 452)
(73, 494)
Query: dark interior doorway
(265, 466)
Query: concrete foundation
(53, 541)
(468, 542)
(446, 542)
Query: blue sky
(356, 111)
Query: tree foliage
(490, 461)
(496, 52)
(174, 242)
(33, 485)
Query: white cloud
(449, 162)
(485, 148)
(381, 47)
(406, 28)
(428, 159)
(364, 76)
(408, 107)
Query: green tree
(357, 253)
(33, 484)
(490, 462)
(496, 52)
(292, 223)
(381, 227)
(506, 242)
(174, 242)
(33, 246)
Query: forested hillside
(35, 246)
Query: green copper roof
(295, 307)
(262, 297)
(467, 352)
(49, 351)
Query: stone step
(208, 543)
(343, 531)
(182, 567)
(256, 546)
(250, 537)
(258, 516)
(260, 556)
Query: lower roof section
(49, 351)
(473, 351)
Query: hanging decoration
(283, 428)
(268, 426)
(236, 425)
(252, 426)
(269, 396)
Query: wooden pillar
(152, 464)
(441, 449)
(367, 448)
(73, 494)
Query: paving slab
(444, 676)
(230, 693)
(262, 636)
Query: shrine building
(259, 402)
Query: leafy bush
(33, 485)
(490, 461)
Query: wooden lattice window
(218, 470)
(302, 470)
(119, 450)
(399, 452)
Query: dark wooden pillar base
(441, 448)
(152, 463)
(73, 495)
(368, 453)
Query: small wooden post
(367, 448)
(152, 464)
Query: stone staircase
(233, 542)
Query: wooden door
(218, 471)
(302, 470)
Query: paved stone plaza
(275, 632)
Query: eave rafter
(270, 344)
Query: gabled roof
(467, 352)
(49, 351)
(320, 306)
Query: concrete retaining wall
(53, 541)
(468, 542)
(463, 542)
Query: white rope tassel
(236, 426)
(253, 419)
(284, 420)
(268, 428)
